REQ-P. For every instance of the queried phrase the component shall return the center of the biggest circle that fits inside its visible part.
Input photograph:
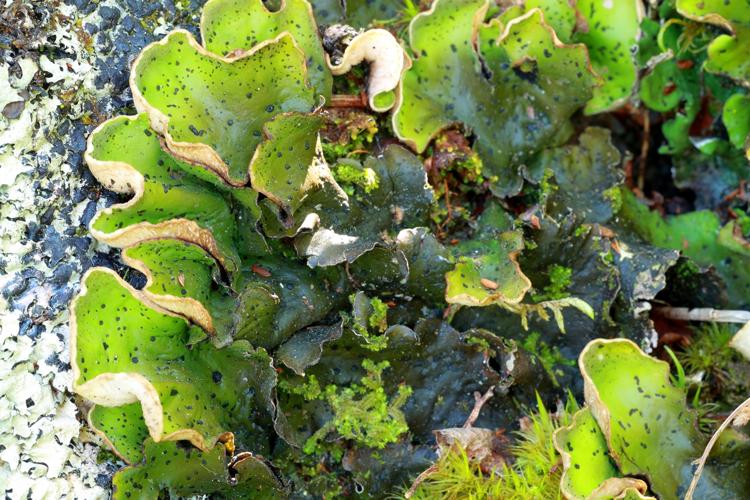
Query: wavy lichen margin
(122, 177)
(388, 63)
(117, 389)
(187, 307)
(204, 154)
(116, 384)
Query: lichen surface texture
(380, 249)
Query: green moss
(481, 343)
(308, 389)
(351, 175)
(347, 135)
(715, 369)
(535, 471)
(378, 318)
(581, 230)
(362, 412)
(709, 349)
(559, 281)
(369, 321)
(547, 186)
(549, 357)
(744, 221)
(104, 455)
(614, 196)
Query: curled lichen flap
(127, 350)
(231, 27)
(125, 155)
(727, 53)
(488, 273)
(642, 415)
(588, 470)
(211, 109)
(179, 278)
(286, 165)
(387, 61)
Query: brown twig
(738, 418)
(348, 101)
(448, 201)
(420, 478)
(479, 401)
(646, 139)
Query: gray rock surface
(63, 70)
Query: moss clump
(378, 318)
(614, 196)
(309, 389)
(455, 174)
(347, 134)
(362, 412)
(549, 357)
(369, 320)
(717, 371)
(535, 471)
(351, 176)
(559, 281)
(481, 343)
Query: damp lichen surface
(267, 249)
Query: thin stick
(702, 460)
(420, 478)
(704, 314)
(643, 160)
(348, 101)
(479, 401)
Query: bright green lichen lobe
(612, 29)
(184, 279)
(283, 168)
(177, 268)
(127, 351)
(727, 53)
(488, 272)
(586, 456)
(125, 153)
(643, 416)
(124, 428)
(736, 117)
(561, 16)
(212, 109)
(524, 105)
(182, 471)
(229, 27)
